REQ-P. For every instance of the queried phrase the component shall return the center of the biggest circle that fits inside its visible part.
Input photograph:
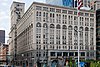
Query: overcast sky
(5, 13)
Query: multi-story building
(71, 3)
(17, 11)
(66, 3)
(47, 32)
(3, 54)
(96, 4)
(98, 34)
(2, 36)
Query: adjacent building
(2, 36)
(47, 32)
(66, 3)
(97, 34)
(87, 4)
(4, 54)
(97, 4)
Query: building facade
(46, 32)
(2, 36)
(66, 3)
(97, 34)
(3, 54)
(17, 11)
(97, 4)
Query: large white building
(48, 32)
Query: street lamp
(78, 45)
(22, 59)
(32, 58)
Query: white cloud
(1, 28)
(5, 0)
(4, 4)
(3, 15)
(18, 0)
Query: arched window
(75, 28)
(86, 36)
(81, 35)
(64, 27)
(75, 35)
(58, 26)
(91, 36)
(81, 29)
(70, 28)
(45, 25)
(52, 26)
(91, 30)
(70, 35)
(86, 29)
(38, 24)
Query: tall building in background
(2, 36)
(96, 4)
(46, 33)
(87, 4)
(17, 11)
(66, 3)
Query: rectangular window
(91, 15)
(52, 53)
(70, 12)
(81, 14)
(52, 9)
(58, 10)
(59, 53)
(86, 14)
(75, 13)
(82, 53)
(65, 54)
(45, 8)
(38, 8)
(64, 11)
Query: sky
(5, 13)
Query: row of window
(53, 15)
(62, 54)
(67, 46)
(66, 53)
(63, 27)
(63, 11)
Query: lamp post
(22, 59)
(78, 46)
(32, 58)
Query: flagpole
(78, 46)
(79, 4)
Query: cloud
(4, 4)
(1, 28)
(3, 15)
(18, 0)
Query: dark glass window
(59, 53)
(82, 53)
(65, 53)
(71, 54)
(52, 53)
